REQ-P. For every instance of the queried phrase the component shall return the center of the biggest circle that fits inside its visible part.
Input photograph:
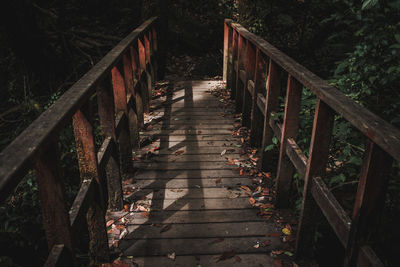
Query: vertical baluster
(52, 197)
(154, 54)
(289, 130)
(105, 102)
(87, 160)
(240, 86)
(120, 104)
(250, 55)
(316, 166)
(149, 67)
(227, 64)
(271, 105)
(257, 117)
(137, 90)
(234, 63)
(130, 96)
(370, 200)
(143, 77)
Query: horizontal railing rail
(122, 83)
(252, 72)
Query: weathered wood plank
(185, 166)
(177, 183)
(146, 174)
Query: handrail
(249, 60)
(122, 82)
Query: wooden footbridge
(193, 208)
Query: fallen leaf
(126, 207)
(218, 181)
(277, 263)
(166, 228)
(252, 201)
(256, 245)
(146, 214)
(199, 132)
(109, 223)
(277, 252)
(226, 255)
(274, 234)
(266, 243)
(179, 152)
(123, 233)
(238, 259)
(171, 256)
(286, 231)
(245, 188)
(223, 152)
(156, 148)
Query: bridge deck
(198, 210)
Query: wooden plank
(204, 260)
(198, 143)
(146, 174)
(194, 121)
(196, 191)
(234, 63)
(201, 230)
(203, 216)
(185, 127)
(240, 85)
(186, 166)
(186, 131)
(87, 160)
(193, 158)
(17, 158)
(332, 210)
(162, 247)
(290, 128)
(271, 105)
(316, 165)
(177, 183)
(81, 205)
(370, 200)
(176, 138)
(261, 103)
(52, 198)
(379, 131)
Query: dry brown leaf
(245, 188)
(218, 181)
(126, 207)
(226, 255)
(238, 259)
(146, 214)
(274, 234)
(166, 228)
(156, 148)
(252, 201)
(179, 152)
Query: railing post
(370, 200)
(143, 75)
(130, 96)
(227, 64)
(149, 66)
(240, 69)
(259, 86)
(52, 197)
(137, 90)
(121, 106)
(316, 166)
(234, 63)
(87, 160)
(290, 128)
(154, 54)
(250, 64)
(271, 105)
(105, 102)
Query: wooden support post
(120, 104)
(290, 128)
(52, 197)
(130, 94)
(240, 86)
(250, 65)
(227, 64)
(137, 92)
(105, 102)
(143, 77)
(234, 63)
(257, 117)
(271, 105)
(154, 54)
(87, 160)
(370, 200)
(316, 166)
(148, 68)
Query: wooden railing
(122, 83)
(249, 61)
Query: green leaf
(367, 4)
(274, 140)
(269, 147)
